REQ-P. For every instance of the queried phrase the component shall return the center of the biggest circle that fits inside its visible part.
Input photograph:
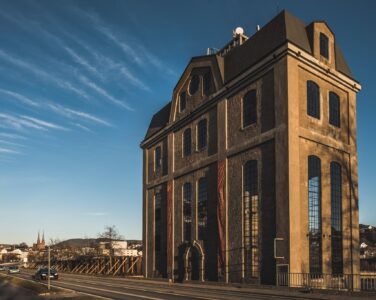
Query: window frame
(180, 101)
(249, 108)
(202, 233)
(313, 99)
(315, 215)
(157, 162)
(324, 45)
(184, 226)
(191, 82)
(200, 147)
(334, 109)
(185, 147)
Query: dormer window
(207, 82)
(324, 46)
(193, 85)
(182, 101)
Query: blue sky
(80, 80)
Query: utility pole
(49, 268)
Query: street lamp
(49, 266)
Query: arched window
(324, 46)
(249, 108)
(251, 218)
(336, 207)
(334, 110)
(157, 158)
(187, 211)
(194, 84)
(314, 215)
(202, 208)
(313, 99)
(182, 101)
(187, 142)
(201, 134)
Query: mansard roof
(281, 29)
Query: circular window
(193, 85)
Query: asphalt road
(122, 288)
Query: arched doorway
(194, 262)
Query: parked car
(2, 268)
(13, 270)
(42, 274)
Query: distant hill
(90, 242)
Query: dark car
(42, 274)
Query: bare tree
(111, 233)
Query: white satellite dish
(239, 30)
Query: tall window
(207, 82)
(202, 208)
(194, 84)
(187, 211)
(187, 142)
(336, 207)
(334, 110)
(251, 222)
(313, 99)
(182, 101)
(157, 232)
(324, 46)
(201, 134)
(314, 215)
(249, 108)
(157, 158)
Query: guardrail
(344, 282)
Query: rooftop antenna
(238, 31)
(257, 27)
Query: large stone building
(251, 168)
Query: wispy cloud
(12, 136)
(11, 143)
(8, 151)
(19, 97)
(74, 114)
(82, 127)
(103, 92)
(82, 61)
(45, 123)
(95, 214)
(62, 83)
(26, 122)
(135, 51)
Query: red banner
(221, 213)
(169, 225)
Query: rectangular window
(313, 99)
(202, 209)
(251, 219)
(187, 211)
(201, 134)
(324, 46)
(314, 215)
(182, 101)
(336, 218)
(157, 158)
(157, 231)
(249, 108)
(187, 142)
(334, 110)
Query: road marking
(150, 290)
(115, 292)
(59, 287)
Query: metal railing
(343, 282)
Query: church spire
(43, 238)
(38, 240)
